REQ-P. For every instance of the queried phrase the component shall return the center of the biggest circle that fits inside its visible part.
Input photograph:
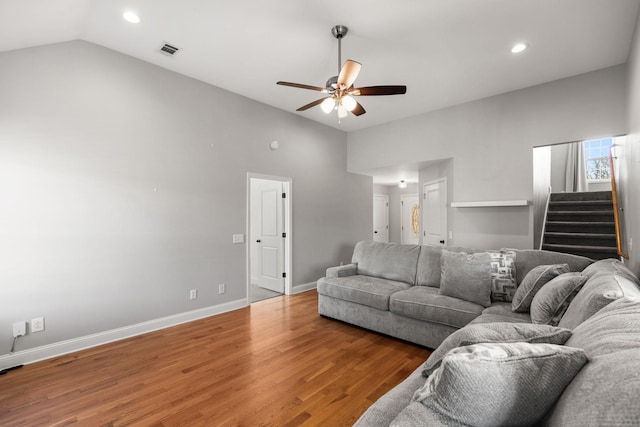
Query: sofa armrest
(342, 270)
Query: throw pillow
(466, 276)
(532, 282)
(501, 332)
(503, 275)
(500, 384)
(551, 302)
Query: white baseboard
(75, 344)
(303, 287)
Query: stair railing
(544, 219)
(616, 215)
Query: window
(596, 154)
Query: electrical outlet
(221, 288)
(37, 324)
(19, 329)
(630, 244)
(193, 294)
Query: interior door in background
(410, 219)
(267, 229)
(380, 218)
(434, 222)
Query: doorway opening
(269, 237)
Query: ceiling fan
(340, 88)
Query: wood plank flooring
(276, 363)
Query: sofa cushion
(524, 381)
(503, 275)
(599, 291)
(551, 302)
(526, 259)
(536, 278)
(371, 291)
(495, 333)
(387, 260)
(466, 276)
(605, 392)
(428, 271)
(426, 303)
(609, 266)
(504, 309)
(496, 318)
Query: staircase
(581, 224)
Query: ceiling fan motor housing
(339, 31)
(332, 84)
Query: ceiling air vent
(168, 49)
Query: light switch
(238, 238)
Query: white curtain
(576, 177)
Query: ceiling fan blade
(359, 110)
(348, 74)
(301, 86)
(312, 104)
(378, 90)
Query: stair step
(589, 195)
(581, 216)
(593, 252)
(580, 205)
(605, 227)
(580, 238)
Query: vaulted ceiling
(446, 51)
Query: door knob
(442, 241)
(258, 241)
(375, 232)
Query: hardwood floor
(276, 363)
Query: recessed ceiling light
(131, 17)
(519, 47)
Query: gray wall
(491, 142)
(121, 185)
(630, 157)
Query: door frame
(423, 210)
(287, 184)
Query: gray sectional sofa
(395, 290)
(593, 379)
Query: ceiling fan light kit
(340, 89)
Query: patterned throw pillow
(503, 275)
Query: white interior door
(267, 234)
(380, 218)
(434, 223)
(410, 219)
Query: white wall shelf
(490, 204)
